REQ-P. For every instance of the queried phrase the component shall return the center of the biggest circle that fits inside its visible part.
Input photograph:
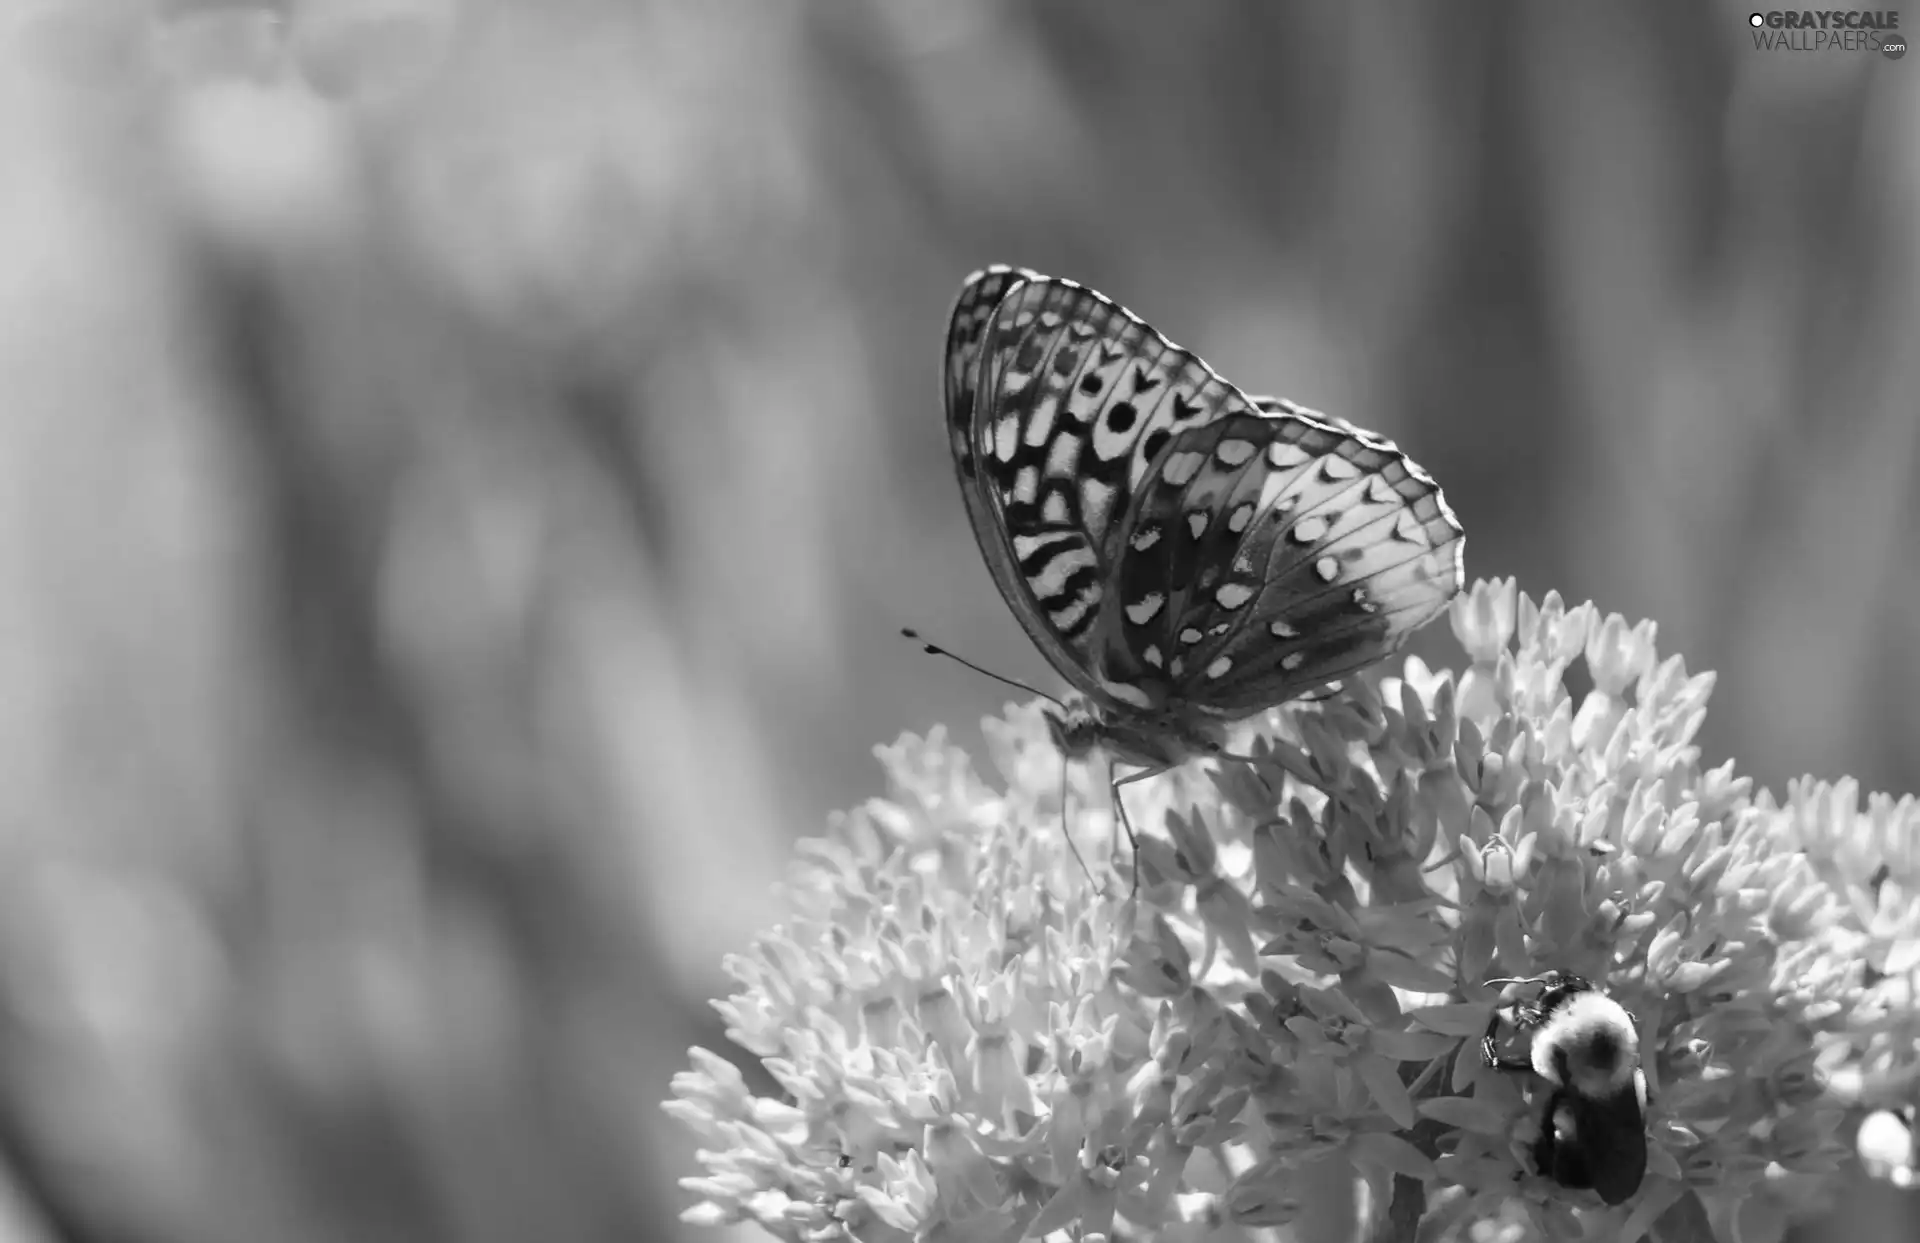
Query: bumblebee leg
(1529, 1014)
(1511, 1065)
(1490, 1050)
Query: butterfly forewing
(966, 335)
(1073, 400)
(966, 328)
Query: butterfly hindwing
(1180, 581)
(1272, 554)
(1399, 550)
(1351, 549)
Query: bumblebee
(1583, 1045)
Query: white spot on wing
(1026, 486)
(1220, 667)
(1234, 452)
(1191, 635)
(1063, 457)
(1040, 426)
(1281, 630)
(1146, 609)
(1145, 538)
(1180, 468)
(1069, 618)
(1096, 504)
(1197, 524)
(1006, 437)
(1232, 595)
(1025, 546)
(1328, 568)
(1310, 530)
(1237, 520)
(1051, 581)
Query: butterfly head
(1076, 727)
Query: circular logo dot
(1893, 46)
(1756, 19)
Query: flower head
(979, 1037)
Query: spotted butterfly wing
(1076, 398)
(1272, 554)
(1181, 553)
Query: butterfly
(1184, 555)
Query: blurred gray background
(464, 464)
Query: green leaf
(1468, 1113)
(1402, 972)
(1390, 1152)
(1410, 1046)
(1458, 1019)
(1383, 1082)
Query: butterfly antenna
(934, 649)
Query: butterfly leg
(1120, 815)
(1066, 829)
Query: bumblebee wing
(1600, 1142)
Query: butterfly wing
(1275, 552)
(1059, 403)
(966, 330)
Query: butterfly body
(1183, 554)
(1154, 740)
